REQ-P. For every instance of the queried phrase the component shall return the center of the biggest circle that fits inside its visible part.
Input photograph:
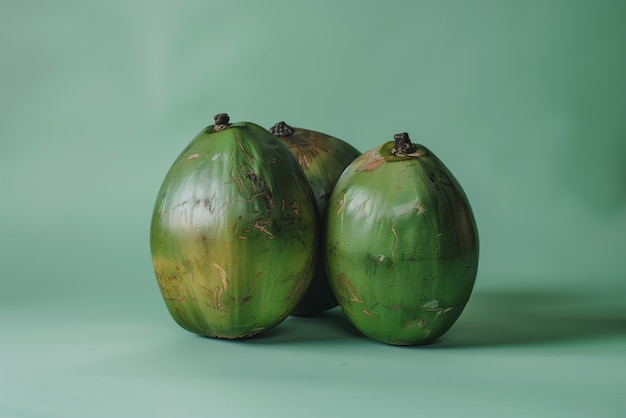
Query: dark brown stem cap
(221, 121)
(281, 129)
(403, 144)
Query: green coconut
(401, 244)
(234, 232)
(322, 158)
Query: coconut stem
(403, 144)
(221, 121)
(281, 129)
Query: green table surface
(513, 353)
(523, 101)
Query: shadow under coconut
(328, 326)
(516, 318)
(491, 319)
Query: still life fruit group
(252, 225)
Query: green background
(524, 101)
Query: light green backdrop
(525, 101)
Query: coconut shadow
(535, 317)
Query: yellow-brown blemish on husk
(346, 284)
(296, 208)
(260, 224)
(372, 161)
(366, 312)
(299, 289)
(218, 297)
(169, 277)
(243, 149)
(343, 204)
(222, 274)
